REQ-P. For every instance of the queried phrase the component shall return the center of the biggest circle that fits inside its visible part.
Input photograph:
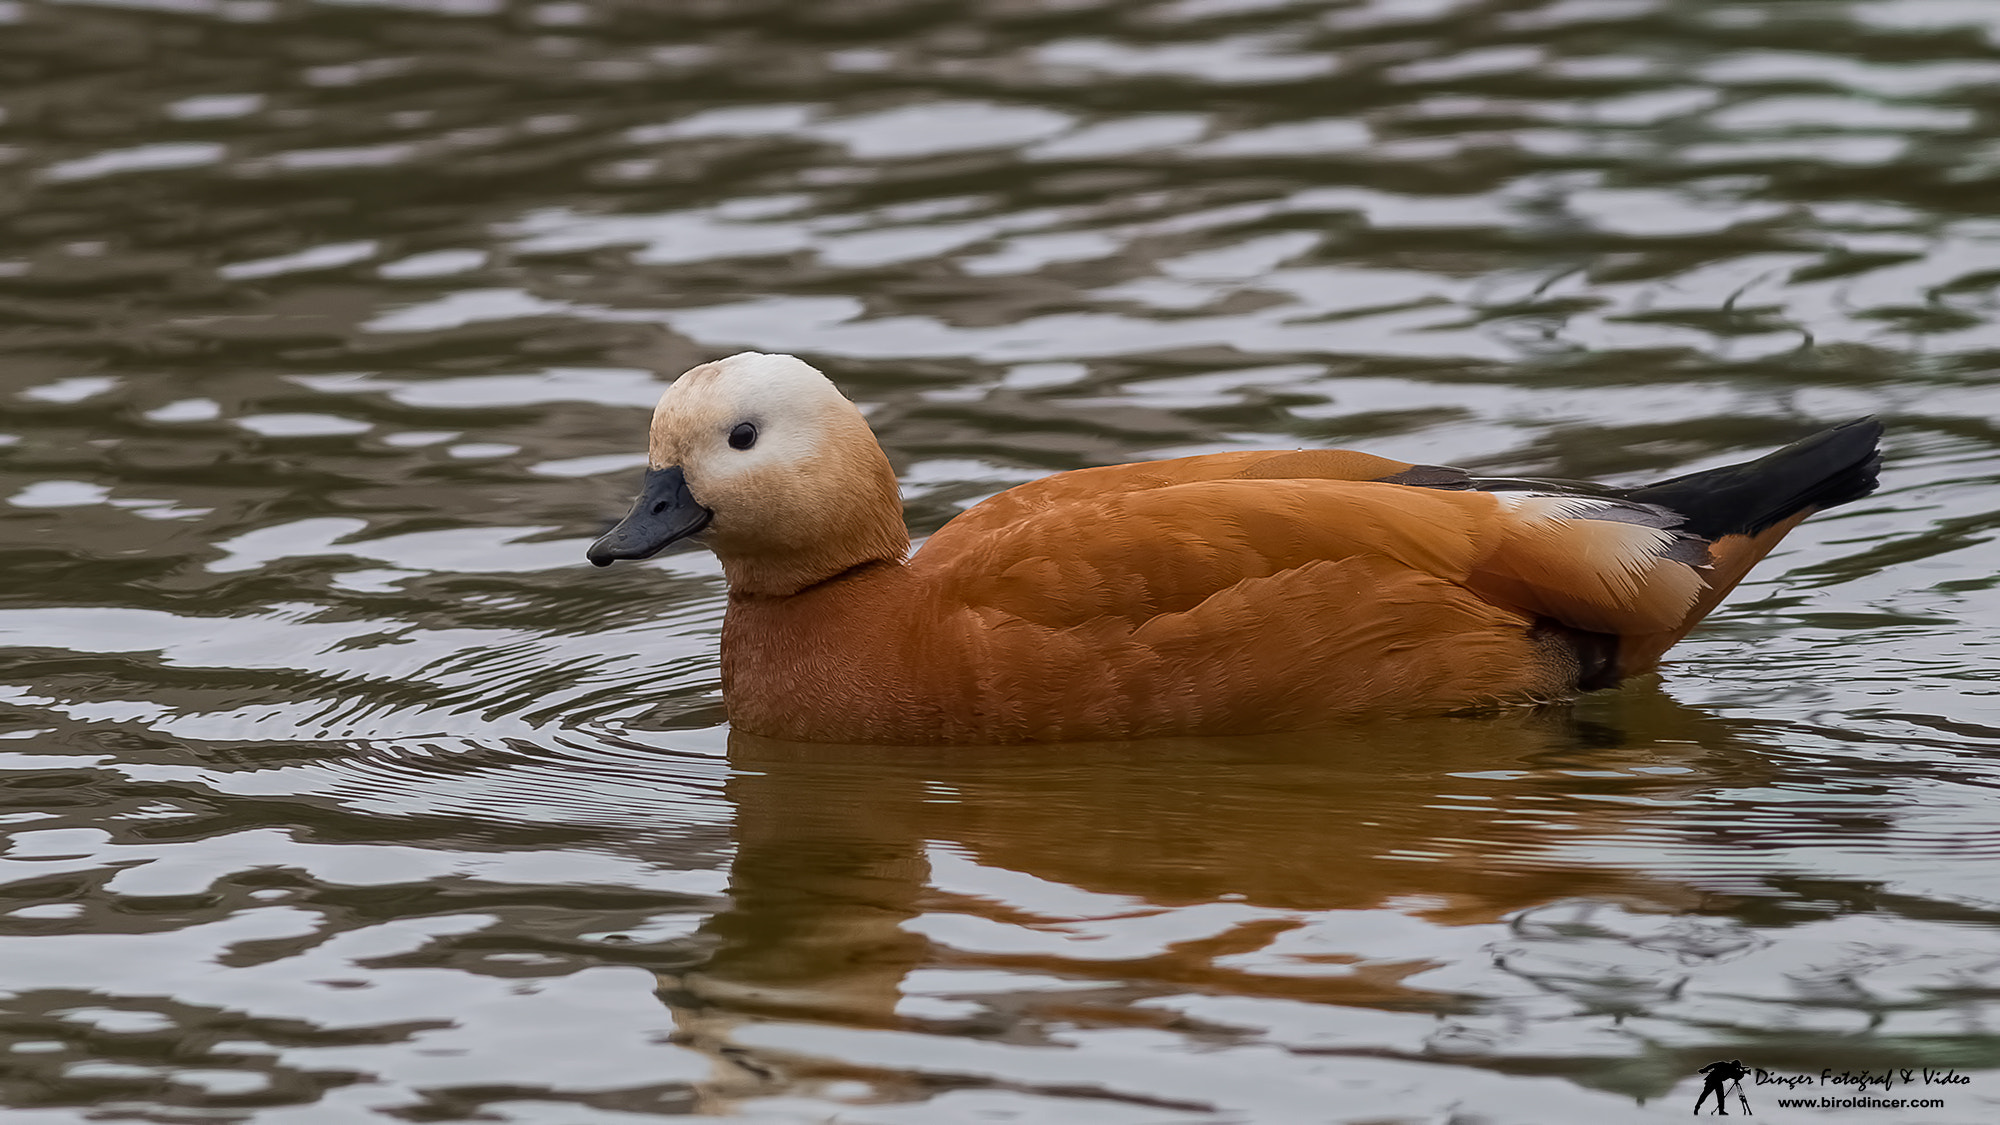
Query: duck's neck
(802, 665)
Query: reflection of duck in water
(1280, 867)
(1222, 594)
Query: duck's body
(1229, 593)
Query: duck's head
(772, 468)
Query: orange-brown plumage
(1229, 593)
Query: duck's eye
(743, 436)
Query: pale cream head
(812, 494)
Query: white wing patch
(1624, 550)
(1597, 563)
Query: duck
(1217, 594)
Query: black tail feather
(1829, 468)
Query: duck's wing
(1074, 551)
(1637, 568)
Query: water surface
(337, 788)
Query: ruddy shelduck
(1229, 593)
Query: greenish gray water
(337, 788)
